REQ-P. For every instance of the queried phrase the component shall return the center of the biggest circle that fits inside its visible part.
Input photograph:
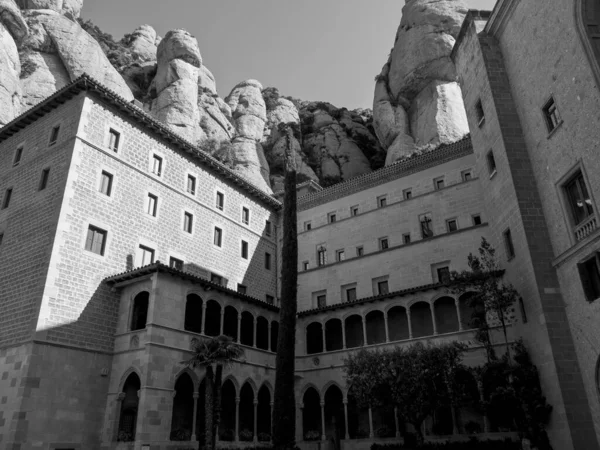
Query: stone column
(203, 317)
(195, 415)
(457, 304)
(221, 326)
(254, 337)
(344, 334)
(117, 415)
(271, 430)
(387, 331)
(237, 419)
(371, 434)
(239, 330)
(433, 321)
(364, 326)
(486, 423)
(324, 337)
(323, 437)
(269, 343)
(410, 332)
(255, 420)
(396, 423)
(347, 436)
(300, 424)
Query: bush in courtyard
(264, 437)
(312, 435)
(181, 435)
(246, 435)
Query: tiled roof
(421, 161)
(158, 267)
(88, 84)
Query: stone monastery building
(121, 245)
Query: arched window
(264, 415)
(398, 324)
(212, 326)
(183, 409)
(247, 329)
(311, 415)
(262, 333)
(193, 314)
(446, 316)
(375, 327)
(314, 338)
(354, 331)
(246, 413)
(129, 409)
(420, 316)
(139, 315)
(334, 414)
(230, 322)
(333, 335)
(227, 425)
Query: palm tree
(220, 351)
(284, 405)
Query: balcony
(586, 228)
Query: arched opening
(440, 423)
(227, 425)
(246, 413)
(333, 335)
(200, 405)
(183, 409)
(358, 420)
(262, 333)
(311, 415)
(375, 327)
(247, 329)
(139, 314)
(398, 324)
(420, 317)
(469, 412)
(264, 415)
(193, 313)
(354, 331)
(468, 311)
(446, 318)
(335, 427)
(384, 425)
(314, 338)
(212, 326)
(274, 335)
(129, 409)
(230, 322)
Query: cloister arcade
(392, 322)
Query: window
(383, 243)
(220, 201)
(307, 226)
(321, 256)
(466, 175)
(217, 279)
(354, 211)
(139, 314)
(479, 115)
(476, 219)
(146, 255)
(508, 244)
(44, 179)
(382, 287)
(351, 294)
(443, 274)
(451, 225)
(551, 115)
(382, 201)
(589, 273)
(191, 185)
(270, 299)
(578, 198)
(241, 289)
(407, 194)
(331, 218)
(340, 255)
(245, 216)
(218, 237)
(114, 137)
(267, 261)
(54, 135)
(406, 238)
(305, 265)
(18, 156)
(491, 162)
(244, 250)
(175, 263)
(426, 227)
(438, 183)
(188, 222)
(96, 240)
(157, 165)
(106, 180)
(268, 228)
(152, 205)
(321, 301)
(7, 197)
(360, 251)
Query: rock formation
(13, 30)
(418, 102)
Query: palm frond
(218, 350)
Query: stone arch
(397, 323)
(468, 313)
(229, 394)
(236, 385)
(262, 333)
(375, 325)
(333, 399)
(311, 413)
(334, 334)
(420, 318)
(230, 322)
(182, 413)
(264, 398)
(332, 383)
(267, 384)
(248, 396)
(129, 403)
(306, 387)
(446, 317)
(247, 329)
(353, 327)
(212, 323)
(139, 310)
(193, 313)
(314, 338)
(126, 374)
(192, 375)
(252, 384)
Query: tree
(284, 405)
(417, 380)
(490, 296)
(219, 351)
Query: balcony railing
(586, 228)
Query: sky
(326, 50)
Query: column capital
(237, 400)
(120, 396)
(196, 395)
(322, 404)
(345, 401)
(239, 317)
(174, 393)
(255, 402)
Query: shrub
(181, 435)
(312, 435)
(264, 437)
(384, 432)
(246, 435)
